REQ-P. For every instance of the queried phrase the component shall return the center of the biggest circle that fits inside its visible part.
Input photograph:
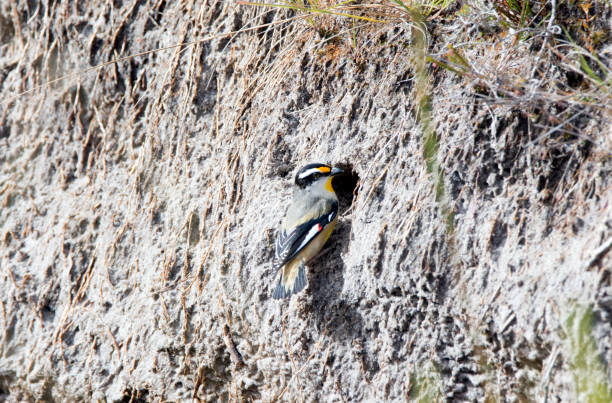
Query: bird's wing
(288, 245)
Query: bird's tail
(287, 286)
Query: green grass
(425, 385)
(604, 78)
(314, 7)
(431, 144)
(585, 362)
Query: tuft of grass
(431, 144)
(603, 76)
(585, 363)
(314, 7)
(425, 385)
(514, 12)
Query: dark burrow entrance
(346, 187)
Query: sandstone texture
(139, 202)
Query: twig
(599, 253)
(549, 29)
(293, 363)
(200, 381)
(112, 336)
(235, 355)
(337, 385)
(85, 278)
(316, 350)
(547, 371)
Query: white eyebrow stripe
(309, 172)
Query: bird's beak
(336, 171)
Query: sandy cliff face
(140, 201)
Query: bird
(308, 223)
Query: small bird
(309, 221)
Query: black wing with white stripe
(289, 245)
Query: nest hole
(346, 186)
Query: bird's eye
(317, 175)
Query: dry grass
(535, 56)
(488, 44)
(504, 55)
